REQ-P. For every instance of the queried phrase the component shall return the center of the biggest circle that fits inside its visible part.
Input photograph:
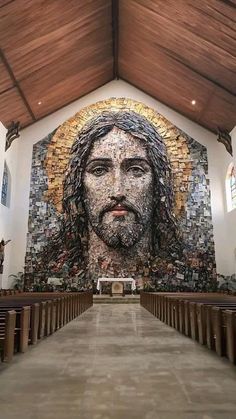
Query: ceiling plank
(164, 74)
(63, 83)
(67, 56)
(58, 51)
(163, 52)
(166, 88)
(26, 19)
(202, 51)
(66, 25)
(178, 88)
(52, 52)
(5, 2)
(220, 112)
(213, 22)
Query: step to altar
(107, 299)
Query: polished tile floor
(117, 361)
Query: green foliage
(18, 280)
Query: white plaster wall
(2, 156)
(217, 156)
(233, 136)
(230, 217)
(228, 246)
(7, 214)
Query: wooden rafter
(115, 37)
(16, 84)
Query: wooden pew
(202, 320)
(218, 318)
(7, 335)
(209, 318)
(34, 323)
(230, 322)
(42, 319)
(40, 314)
(22, 325)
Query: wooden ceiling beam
(115, 37)
(5, 3)
(16, 84)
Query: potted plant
(18, 280)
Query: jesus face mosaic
(118, 184)
(118, 190)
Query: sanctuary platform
(107, 299)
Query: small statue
(3, 243)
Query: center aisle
(117, 361)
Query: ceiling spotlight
(40, 103)
(193, 102)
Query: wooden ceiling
(56, 51)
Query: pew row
(7, 335)
(26, 318)
(208, 318)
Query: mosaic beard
(120, 232)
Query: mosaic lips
(119, 210)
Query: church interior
(117, 209)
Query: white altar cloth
(103, 279)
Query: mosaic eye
(136, 171)
(99, 171)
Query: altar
(122, 280)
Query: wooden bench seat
(7, 335)
(22, 325)
(38, 315)
(209, 318)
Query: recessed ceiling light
(40, 103)
(193, 102)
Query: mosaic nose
(118, 185)
(118, 198)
